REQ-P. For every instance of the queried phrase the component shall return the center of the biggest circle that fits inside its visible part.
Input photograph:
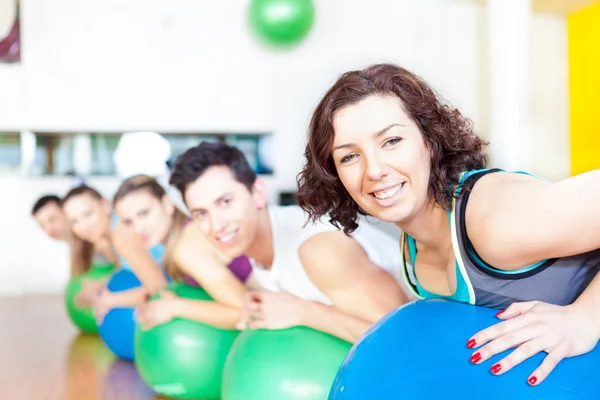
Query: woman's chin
(392, 214)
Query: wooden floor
(43, 357)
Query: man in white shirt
(312, 274)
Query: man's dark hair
(192, 164)
(43, 201)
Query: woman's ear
(259, 193)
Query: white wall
(550, 98)
(193, 66)
(29, 261)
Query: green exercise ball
(292, 364)
(183, 358)
(83, 317)
(281, 22)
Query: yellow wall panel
(584, 88)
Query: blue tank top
(556, 281)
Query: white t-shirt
(289, 232)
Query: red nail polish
(475, 358)
(471, 343)
(532, 380)
(499, 313)
(496, 368)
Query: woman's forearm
(128, 298)
(207, 312)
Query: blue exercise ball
(419, 352)
(118, 327)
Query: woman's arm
(131, 248)
(107, 300)
(514, 220)
(196, 257)
(517, 221)
(170, 306)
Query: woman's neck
(430, 229)
(261, 248)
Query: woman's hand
(157, 312)
(102, 304)
(90, 289)
(533, 327)
(270, 310)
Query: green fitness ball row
(190, 360)
(83, 317)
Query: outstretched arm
(534, 221)
(198, 259)
(516, 220)
(131, 249)
(171, 306)
(360, 291)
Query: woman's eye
(392, 141)
(347, 158)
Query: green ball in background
(292, 364)
(183, 358)
(83, 317)
(281, 22)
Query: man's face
(53, 221)
(226, 211)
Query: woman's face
(147, 216)
(381, 158)
(89, 218)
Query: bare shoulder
(514, 220)
(498, 193)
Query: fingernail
(475, 358)
(499, 313)
(532, 380)
(471, 343)
(496, 368)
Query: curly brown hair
(449, 136)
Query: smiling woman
(382, 142)
(447, 138)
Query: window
(10, 152)
(91, 154)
